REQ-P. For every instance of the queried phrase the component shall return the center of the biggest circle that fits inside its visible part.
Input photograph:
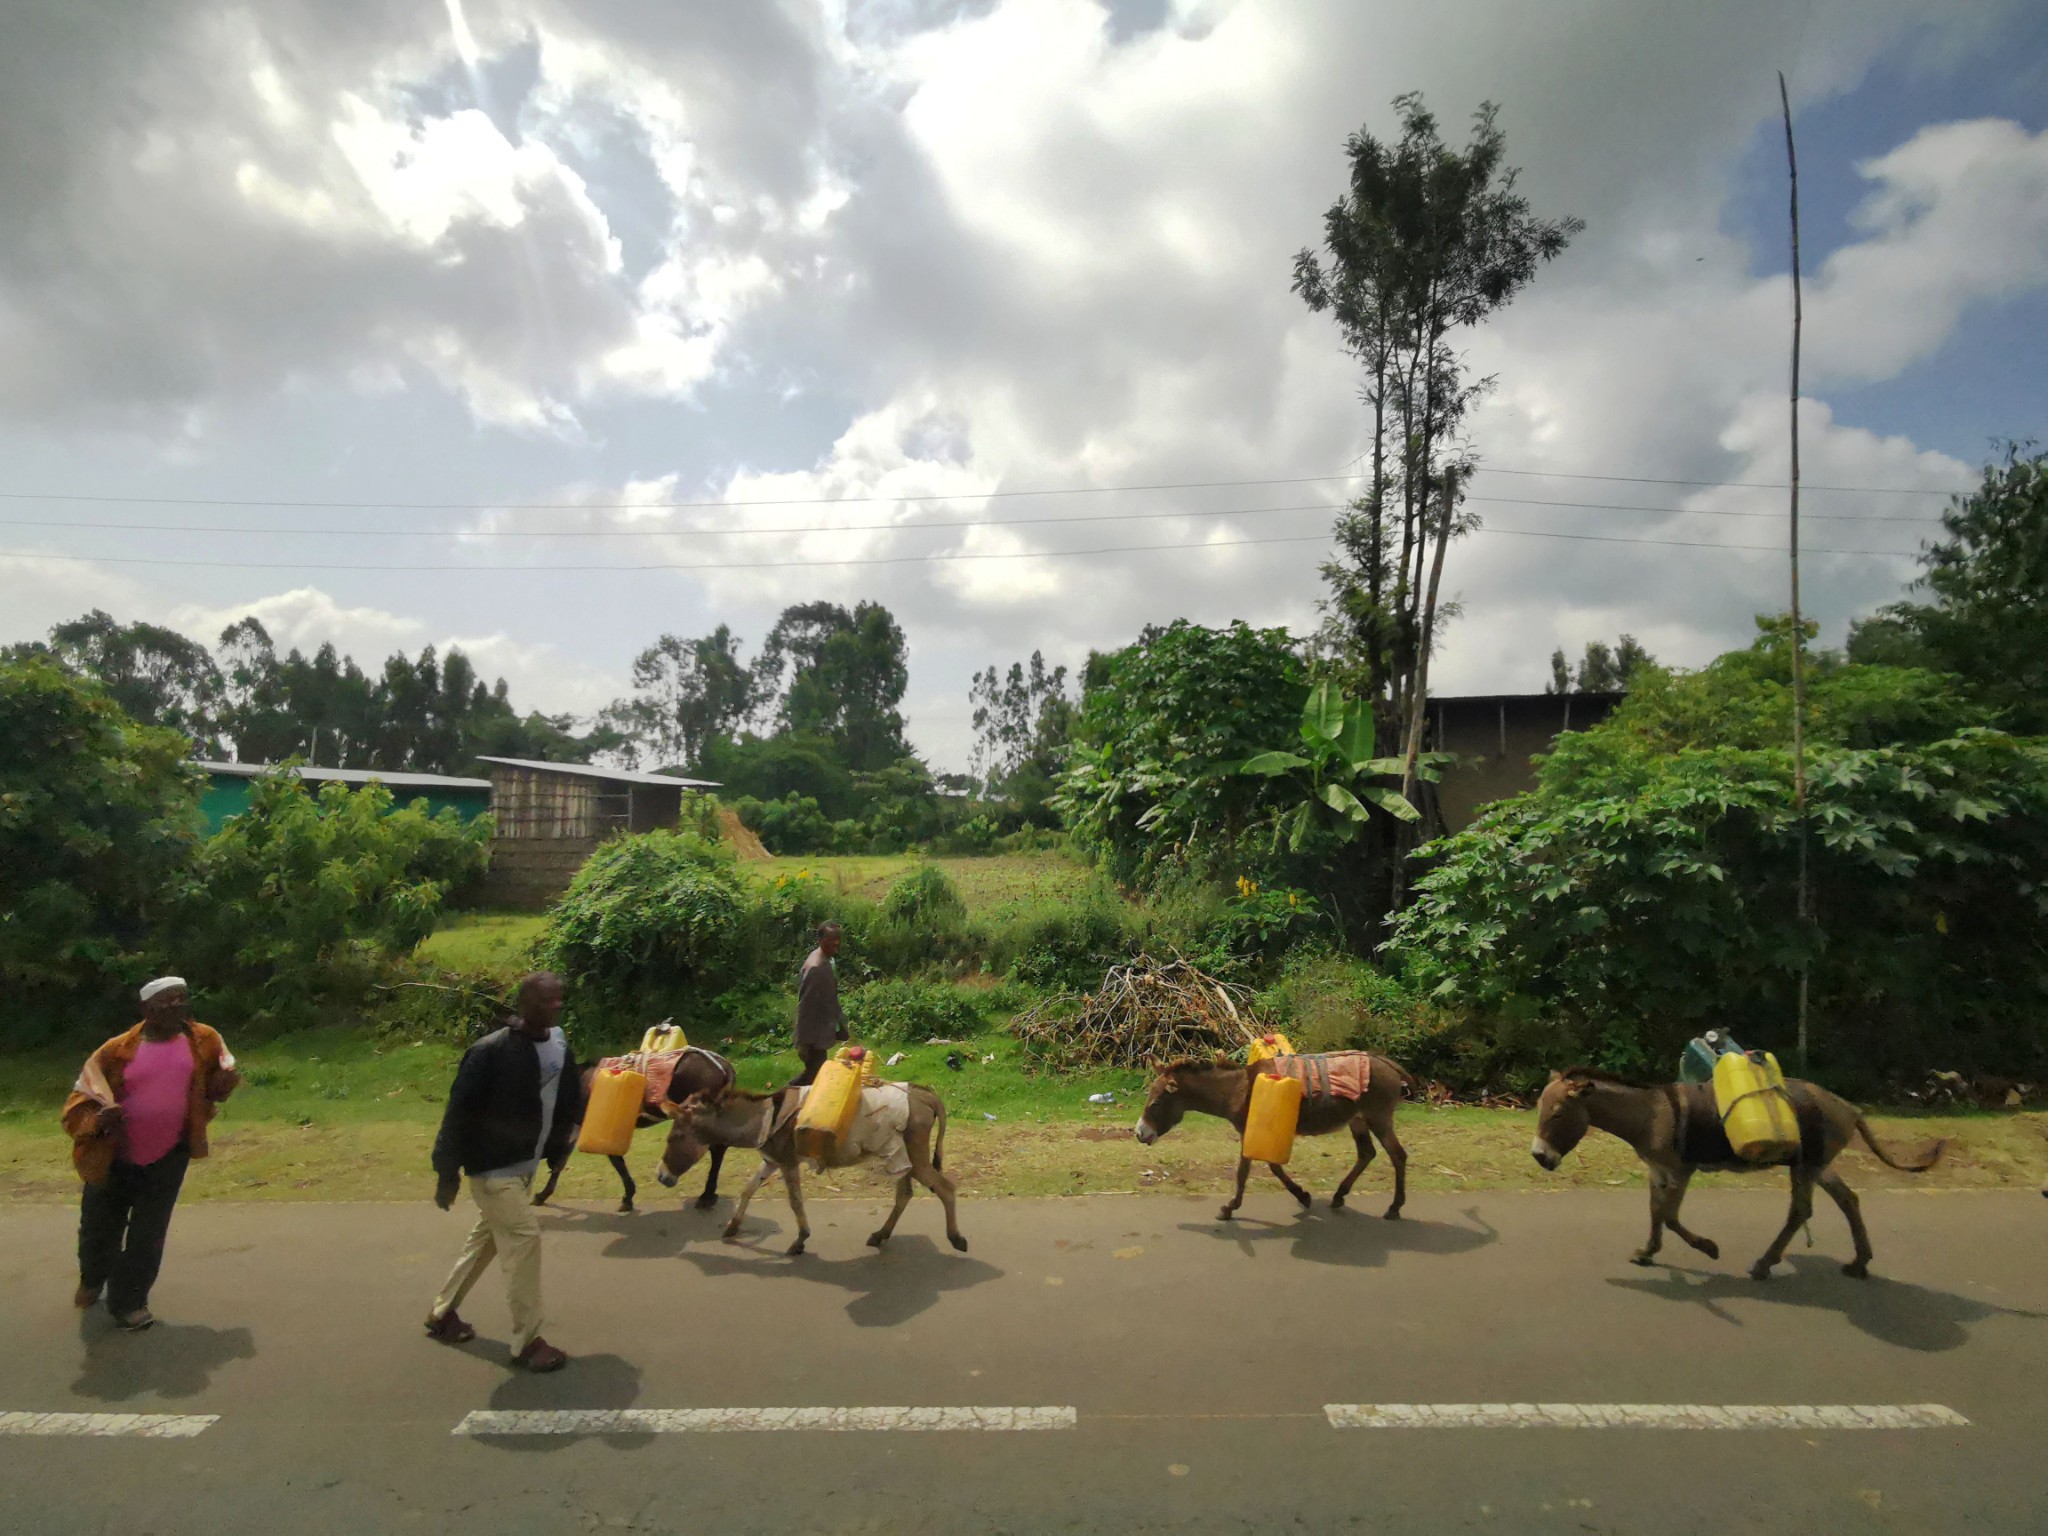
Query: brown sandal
(540, 1356)
(449, 1329)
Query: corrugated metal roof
(612, 775)
(351, 776)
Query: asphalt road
(1198, 1359)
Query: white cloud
(1022, 253)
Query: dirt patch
(1103, 1133)
(736, 832)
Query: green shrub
(925, 894)
(1329, 1001)
(1066, 944)
(779, 925)
(448, 1007)
(1639, 896)
(911, 1011)
(303, 898)
(98, 816)
(649, 927)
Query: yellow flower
(1293, 900)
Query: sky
(546, 328)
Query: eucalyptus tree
(1425, 241)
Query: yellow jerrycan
(663, 1038)
(616, 1095)
(1275, 1111)
(1756, 1112)
(862, 1057)
(826, 1116)
(1266, 1047)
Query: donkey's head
(1561, 1117)
(1168, 1099)
(679, 1154)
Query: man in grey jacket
(819, 1018)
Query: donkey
(732, 1117)
(1676, 1131)
(697, 1071)
(1224, 1089)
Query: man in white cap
(137, 1117)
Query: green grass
(987, 884)
(499, 944)
(336, 1114)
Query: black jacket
(493, 1114)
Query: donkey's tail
(1932, 1156)
(939, 1136)
(1409, 1081)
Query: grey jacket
(819, 1018)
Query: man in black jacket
(518, 1098)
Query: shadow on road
(588, 1381)
(641, 1234)
(1350, 1238)
(1893, 1312)
(170, 1360)
(890, 1287)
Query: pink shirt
(154, 1098)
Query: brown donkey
(1224, 1089)
(1676, 1131)
(733, 1117)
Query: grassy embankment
(342, 1114)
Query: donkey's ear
(1579, 1088)
(1556, 1076)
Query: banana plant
(1332, 771)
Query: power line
(1745, 485)
(932, 559)
(288, 503)
(965, 522)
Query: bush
(98, 816)
(1067, 944)
(925, 894)
(302, 898)
(1638, 897)
(649, 927)
(910, 1011)
(1329, 1001)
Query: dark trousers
(121, 1228)
(813, 1057)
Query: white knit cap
(161, 984)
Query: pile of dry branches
(1145, 1011)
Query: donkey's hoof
(1226, 1213)
(707, 1201)
(1643, 1256)
(1759, 1270)
(625, 1207)
(795, 1249)
(876, 1239)
(1336, 1202)
(1857, 1270)
(731, 1234)
(959, 1243)
(1391, 1213)
(1709, 1247)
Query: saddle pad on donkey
(1331, 1075)
(660, 1068)
(878, 1129)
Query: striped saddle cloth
(1330, 1075)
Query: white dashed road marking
(1640, 1416)
(146, 1426)
(671, 1421)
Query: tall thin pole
(1804, 896)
